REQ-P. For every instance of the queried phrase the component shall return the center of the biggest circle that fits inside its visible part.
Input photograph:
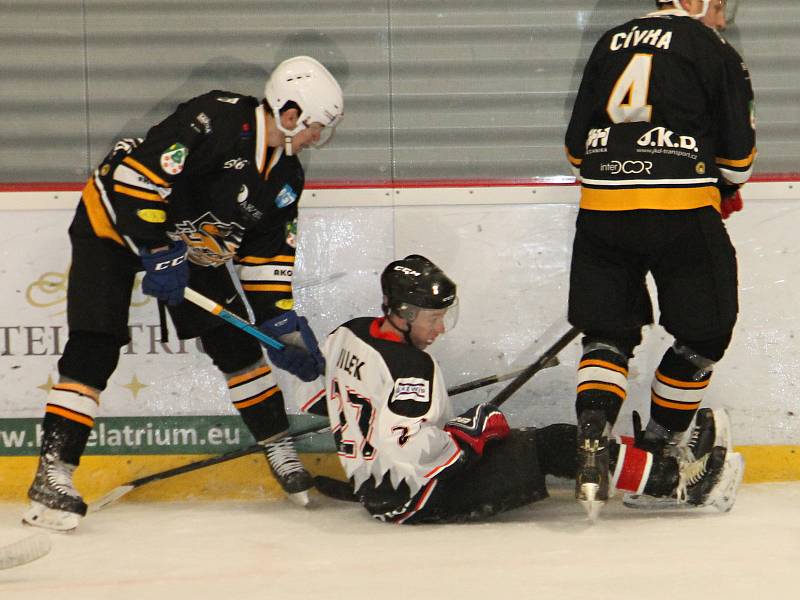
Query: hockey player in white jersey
(412, 461)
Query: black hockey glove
(301, 355)
(477, 426)
(166, 273)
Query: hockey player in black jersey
(216, 181)
(661, 136)
(412, 461)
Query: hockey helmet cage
(306, 82)
(415, 282)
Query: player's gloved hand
(478, 425)
(166, 273)
(731, 200)
(301, 355)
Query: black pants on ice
(511, 473)
(692, 262)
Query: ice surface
(221, 550)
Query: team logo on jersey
(597, 137)
(250, 211)
(285, 197)
(152, 215)
(104, 170)
(628, 167)
(291, 233)
(411, 389)
(173, 159)
(700, 168)
(662, 137)
(285, 304)
(210, 241)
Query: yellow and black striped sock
(259, 400)
(677, 391)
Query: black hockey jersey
(663, 117)
(206, 175)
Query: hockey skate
(55, 503)
(288, 470)
(712, 480)
(591, 482)
(711, 428)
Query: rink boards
(507, 244)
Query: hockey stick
(235, 320)
(318, 281)
(24, 551)
(122, 490)
(534, 368)
(484, 381)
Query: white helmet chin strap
(699, 15)
(308, 84)
(288, 134)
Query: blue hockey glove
(301, 355)
(478, 425)
(166, 273)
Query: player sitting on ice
(412, 461)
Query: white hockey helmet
(306, 82)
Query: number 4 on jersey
(627, 102)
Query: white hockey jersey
(387, 403)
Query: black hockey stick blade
(335, 488)
(534, 368)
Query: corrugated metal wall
(435, 89)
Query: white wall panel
(511, 262)
(441, 89)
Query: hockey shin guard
(259, 400)
(602, 380)
(69, 417)
(678, 388)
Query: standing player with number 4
(661, 136)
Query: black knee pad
(231, 349)
(90, 358)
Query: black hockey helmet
(415, 282)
